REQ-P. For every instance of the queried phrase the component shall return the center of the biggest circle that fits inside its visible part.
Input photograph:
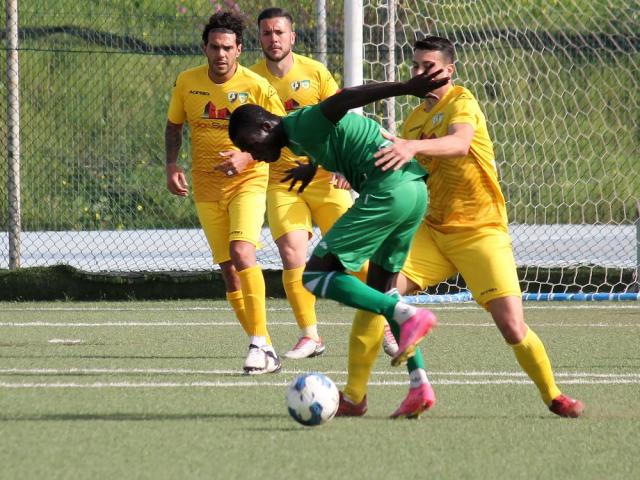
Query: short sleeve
(176, 113)
(328, 85)
(465, 109)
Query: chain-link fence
(557, 80)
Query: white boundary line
(276, 323)
(186, 371)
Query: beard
(278, 56)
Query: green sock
(349, 290)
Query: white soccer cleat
(306, 347)
(389, 344)
(259, 361)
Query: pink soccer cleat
(306, 347)
(564, 406)
(418, 400)
(412, 332)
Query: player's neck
(434, 97)
(220, 79)
(281, 67)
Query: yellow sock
(533, 359)
(364, 344)
(237, 303)
(253, 291)
(303, 302)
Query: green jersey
(345, 148)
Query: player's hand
(339, 181)
(303, 173)
(234, 162)
(424, 83)
(176, 180)
(395, 155)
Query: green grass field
(155, 390)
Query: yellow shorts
(238, 218)
(483, 257)
(320, 203)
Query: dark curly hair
(227, 22)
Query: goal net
(557, 81)
(559, 86)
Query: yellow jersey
(207, 106)
(464, 193)
(308, 82)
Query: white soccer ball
(312, 399)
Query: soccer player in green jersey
(382, 222)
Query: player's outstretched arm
(336, 106)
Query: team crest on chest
(298, 84)
(437, 118)
(241, 97)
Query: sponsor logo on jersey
(210, 111)
(298, 84)
(241, 97)
(198, 92)
(291, 104)
(437, 118)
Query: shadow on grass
(137, 417)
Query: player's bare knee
(243, 254)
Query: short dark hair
(247, 118)
(227, 22)
(437, 44)
(274, 12)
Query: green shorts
(379, 227)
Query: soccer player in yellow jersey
(229, 187)
(465, 230)
(299, 81)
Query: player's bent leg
(530, 353)
(414, 323)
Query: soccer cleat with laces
(418, 400)
(260, 360)
(306, 347)
(350, 409)
(565, 406)
(389, 344)
(412, 331)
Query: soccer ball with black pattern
(312, 399)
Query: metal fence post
(13, 120)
